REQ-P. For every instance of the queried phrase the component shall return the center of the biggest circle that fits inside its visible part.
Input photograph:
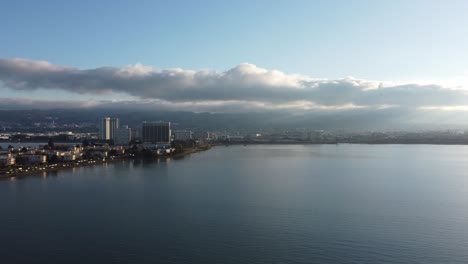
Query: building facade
(156, 132)
(107, 127)
(31, 159)
(183, 135)
(6, 159)
(122, 135)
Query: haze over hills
(356, 120)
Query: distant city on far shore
(64, 127)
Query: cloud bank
(245, 87)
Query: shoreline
(187, 152)
(64, 166)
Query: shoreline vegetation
(20, 171)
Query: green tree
(53, 159)
(147, 153)
(85, 143)
(177, 146)
(51, 143)
(112, 152)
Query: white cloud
(446, 108)
(245, 87)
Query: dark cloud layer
(245, 86)
(244, 83)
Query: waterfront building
(122, 135)
(156, 132)
(234, 138)
(183, 135)
(107, 127)
(98, 152)
(6, 159)
(68, 157)
(31, 159)
(210, 136)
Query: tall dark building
(156, 132)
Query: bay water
(246, 204)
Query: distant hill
(357, 120)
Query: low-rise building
(165, 151)
(98, 152)
(210, 136)
(31, 159)
(68, 156)
(6, 159)
(235, 138)
(183, 135)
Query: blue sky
(380, 43)
(384, 40)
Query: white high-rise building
(107, 127)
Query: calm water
(254, 204)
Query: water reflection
(39, 174)
(53, 173)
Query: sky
(223, 56)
